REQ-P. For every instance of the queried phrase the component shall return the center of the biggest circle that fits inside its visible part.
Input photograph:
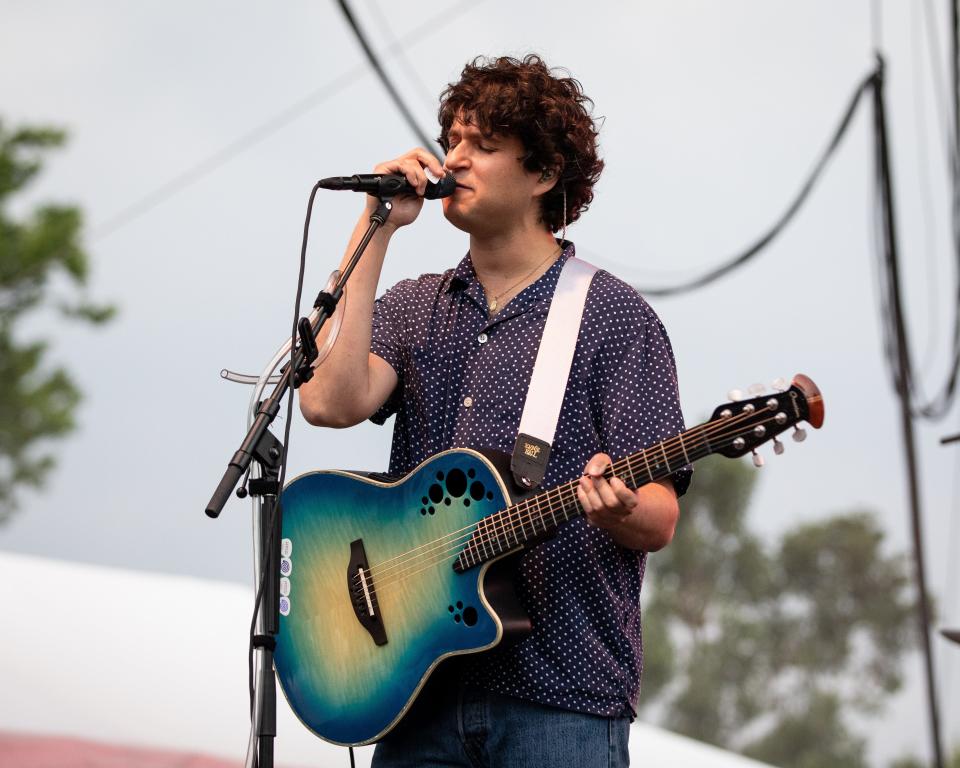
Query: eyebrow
(472, 131)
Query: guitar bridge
(363, 594)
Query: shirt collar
(464, 278)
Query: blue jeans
(471, 728)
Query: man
(452, 356)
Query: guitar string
(379, 569)
(439, 558)
(470, 529)
(529, 510)
(701, 429)
(523, 512)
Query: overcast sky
(712, 115)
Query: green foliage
(953, 761)
(762, 648)
(37, 403)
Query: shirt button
(482, 338)
(468, 401)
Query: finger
(584, 499)
(414, 174)
(597, 465)
(588, 494)
(428, 160)
(624, 495)
(593, 501)
(608, 497)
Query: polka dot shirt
(463, 379)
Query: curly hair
(548, 114)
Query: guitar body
(351, 682)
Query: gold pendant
(493, 305)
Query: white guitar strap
(548, 383)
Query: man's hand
(641, 519)
(406, 208)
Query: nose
(456, 159)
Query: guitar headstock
(739, 427)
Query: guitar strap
(548, 383)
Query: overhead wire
(734, 263)
(381, 73)
(936, 407)
(269, 127)
(901, 368)
(428, 98)
(925, 198)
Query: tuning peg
(799, 434)
(757, 460)
(756, 389)
(777, 447)
(735, 394)
(780, 384)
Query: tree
(912, 762)
(37, 402)
(761, 648)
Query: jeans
(472, 728)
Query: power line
(425, 141)
(258, 134)
(426, 96)
(766, 239)
(227, 153)
(925, 201)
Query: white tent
(133, 658)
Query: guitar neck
(735, 429)
(539, 516)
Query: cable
(268, 546)
(927, 210)
(428, 98)
(902, 376)
(224, 155)
(791, 211)
(256, 135)
(381, 73)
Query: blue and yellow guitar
(382, 581)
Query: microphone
(389, 184)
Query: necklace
(494, 303)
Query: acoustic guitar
(384, 579)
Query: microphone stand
(263, 448)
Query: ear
(549, 177)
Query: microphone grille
(443, 188)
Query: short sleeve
(638, 396)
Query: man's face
(495, 193)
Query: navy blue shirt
(463, 379)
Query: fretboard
(539, 516)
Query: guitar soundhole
(456, 483)
(477, 490)
(468, 616)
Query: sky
(712, 115)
